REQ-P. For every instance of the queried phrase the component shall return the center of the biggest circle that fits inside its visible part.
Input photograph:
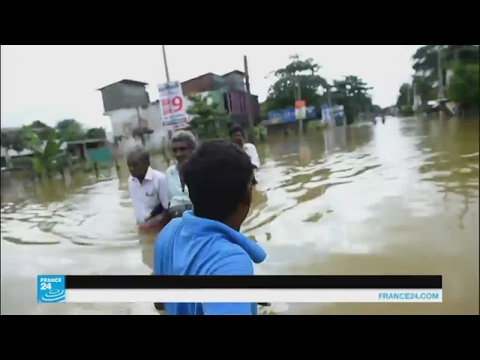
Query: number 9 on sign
(177, 104)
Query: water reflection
(399, 198)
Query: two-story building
(131, 113)
(228, 91)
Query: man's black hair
(235, 129)
(217, 175)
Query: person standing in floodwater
(238, 137)
(148, 190)
(182, 145)
(207, 241)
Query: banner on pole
(300, 109)
(172, 103)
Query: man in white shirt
(148, 190)
(238, 137)
(182, 145)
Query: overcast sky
(54, 82)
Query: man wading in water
(207, 241)
(148, 190)
(238, 137)
(182, 145)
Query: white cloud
(53, 82)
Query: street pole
(167, 74)
(329, 98)
(441, 91)
(299, 97)
(249, 97)
(414, 107)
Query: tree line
(66, 130)
(457, 66)
(301, 78)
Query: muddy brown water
(399, 198)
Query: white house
(4, 158)
(125, 121)
(127, 105)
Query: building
(131, 113)
(124, 94)
(228, 91)
(91, 150)
(4, 158)
(12, 158)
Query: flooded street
(399, 198)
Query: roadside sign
(172, 103)
(300, 109)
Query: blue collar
(201, 225)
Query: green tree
(425, 64)
(70, 130)
(13, 140)
(96, 133)
(353, 93)
(41, 129)
(300, 75)
(209, 121)
(465, 86)
(47, 155)
(405, 99)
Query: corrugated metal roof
(126, 82)
(26, 152)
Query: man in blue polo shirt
(207, 240)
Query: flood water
(399, 198)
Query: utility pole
(409, 95)
(441, 90)
(415, 104)
(299, 97)
(167, 74)
(249, 97)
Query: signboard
(172, 103)
(300, 109)
(288, 115)
(334, 114)
(326, 118)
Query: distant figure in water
(238, 137)
(383, 119)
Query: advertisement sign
(288, 115)
(326, 118)
(172, 103)
(300, 109)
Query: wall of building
(125, 120)
(5, 159)
(234, 81)
(216, 96)
(198, 84)
(120, 96)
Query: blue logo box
(51, 289)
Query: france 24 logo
(51, 289)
